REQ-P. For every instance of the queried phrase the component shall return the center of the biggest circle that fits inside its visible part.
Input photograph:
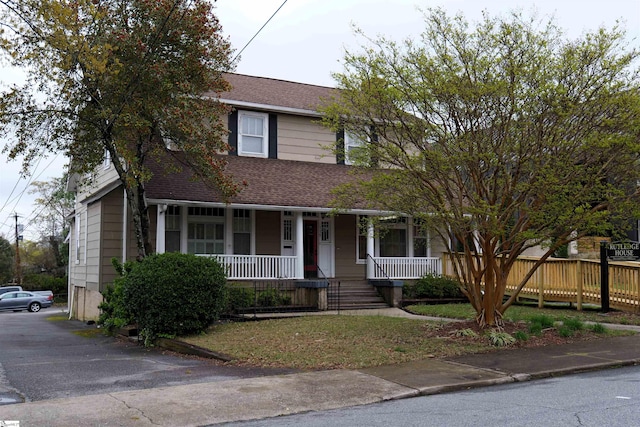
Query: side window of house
(172, 229)
(253, 134)
(242, 232)
(352, 149)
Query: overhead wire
(258, 32)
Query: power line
(258, 32)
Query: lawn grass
(524, 312)
(330, 342)
(353, 342)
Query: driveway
(45, 356)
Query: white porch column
(160, 228)
(429, 242)
(184, 229)
(228, 231)
(299, 244)
(410, 237)
(370, 249)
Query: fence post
(540, 286)
(579, 285)
(604, 277)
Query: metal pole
(18, 270)
(604, 277)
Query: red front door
(310, 243)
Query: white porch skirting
(245, 267)
(404, 268)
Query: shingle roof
(275, 93)
(271, 182)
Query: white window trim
(77, 248)
(265, 130)
(106, 163)
(350, 142)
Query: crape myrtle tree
(500, 136)
(118, 78)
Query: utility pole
(18, 270)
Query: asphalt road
(45, 356)
(603, 398)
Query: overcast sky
(305, 42)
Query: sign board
(623, 251)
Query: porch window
(205, 238)
(393, 243)
(393, 237)
(242, 232)
(172, 229)
(420, 244)
(253, 134)
(205, 232)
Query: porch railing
(270, 267)
(398, 268)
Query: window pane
(252, 125)
(393, 243)
(251, 144)
(242, 243)
(420, 247)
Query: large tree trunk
(488, 316)
(141, 223)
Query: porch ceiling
(270, 182)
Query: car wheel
(34, 307)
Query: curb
(193, 350)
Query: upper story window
(253, 134)
(352, 146)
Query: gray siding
(299, 138)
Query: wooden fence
(577, 281)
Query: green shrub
(573, 323)
(598, 328)
(114, 312)
(543, 320)
(174, 294)
(565, 331)
(433, 286)
(500, 338)
(520, 335)
(45, 282)
(239, 297)
(535, 329)
(272, 298)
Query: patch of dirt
(459, 332)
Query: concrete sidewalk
(262, 397)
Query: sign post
(604, 277)
(614, 251)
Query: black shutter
(233, 133)
(340, 153)
(273, 136)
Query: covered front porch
(267, 244)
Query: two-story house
(280, 226)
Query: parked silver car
(24, 300)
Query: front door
(310, 243)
